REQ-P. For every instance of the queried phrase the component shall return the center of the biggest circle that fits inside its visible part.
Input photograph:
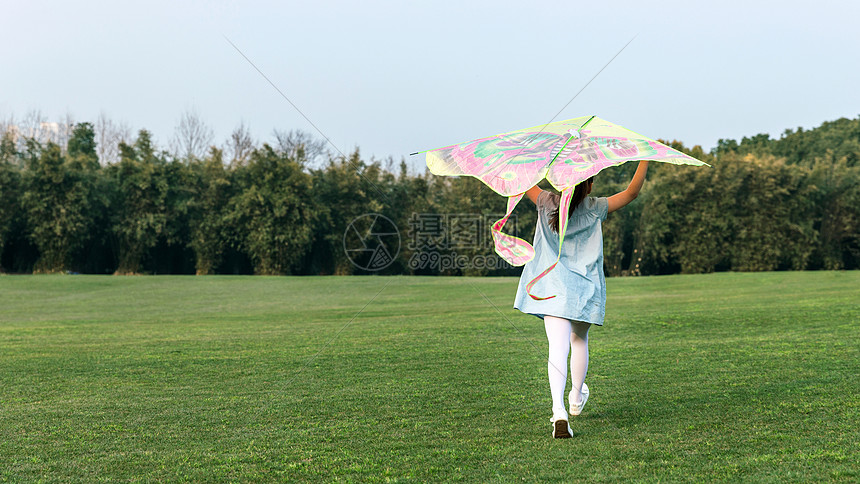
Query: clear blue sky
(392, 77)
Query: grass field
(722, 377)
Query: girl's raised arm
(533, 193)
(621, 199)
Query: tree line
(288, 207)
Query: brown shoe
(561, 429)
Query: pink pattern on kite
(512, 249)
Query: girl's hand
(621, 199)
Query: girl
(577, 281)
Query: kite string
(566, 105)
(589, 82)
(381, 192)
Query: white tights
(563, 335)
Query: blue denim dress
(577, 281)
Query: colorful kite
(565, 153)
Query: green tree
(209, 231)
(416, 197)
(82, 146)
(95, 255)
(835, 212)
(173, 253)
(470, 209)
(57, 201)
(841, 137)
(342, 190)
(140, 216)
(10, 190)
(748, 213)
(685, 225)
(772, 223)
(274, 212)
(406, 196)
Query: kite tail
(563, 216)
(514, 250)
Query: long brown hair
(579, 194)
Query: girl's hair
(579, 194)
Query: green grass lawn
(729, 377)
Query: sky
(394, 77)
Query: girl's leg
(578, 357)
(558, 334)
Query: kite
(564, 152)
